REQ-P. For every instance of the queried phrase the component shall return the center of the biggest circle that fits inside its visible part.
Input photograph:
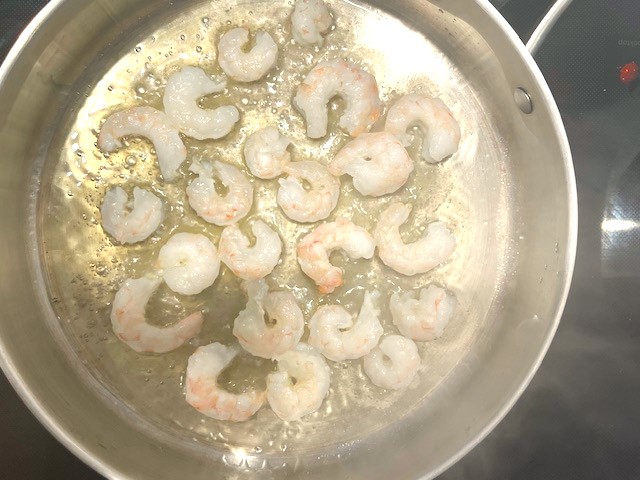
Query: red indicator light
(628, 73)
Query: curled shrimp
(131, 223)
(152, 124)
(314, 250)
(250, 263)
(435, 247)
(309, 20)
(265, 153)
(424, 318)
(189, 263)
(315, 204)
(246, 66)
(311, 379)
(209, 204)
(184, 89)
(205, 395)
(378, 163)
(338, 77)
(441, 131)
(130, 325)
(271, 323)
(337, 337)
(393, 363)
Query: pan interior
(472, 192)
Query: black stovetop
(580, 417)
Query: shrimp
(189, 263)
(131, 223)
(291, 400)
(129, 323)
(250, 263)
(314, 250)
(378, 163)
(265, 153)
(309, 20)
(271, 324)
(205, 395)
(246, 66)
(338, 77)
(308, 206)
(441, 131)
(334, 334)
(435, 247)
(209, 204)
(184, 89)
(393, 363)
(424, 318)
(152, 124)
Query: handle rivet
(523, 100)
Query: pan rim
(526, 54)
(54, 425)
(36, 406)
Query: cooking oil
(85, 267)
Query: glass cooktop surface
(579, 417)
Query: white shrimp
(265, 153)
(189, 263)
(425, 318)
(246, 66)
(131, 223)
(292, 400)
(130, 325)
(309, 20)
(435, 247)
(311, 205)
(441, 131)
(250, 262)
(272, 322)
(184, 89)
(314, 250)
(338, 77)
(337, 337)
(205, 395)
(209, 204)
(378, 163)
(393, 363)
(152, 124)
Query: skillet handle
(531, 20)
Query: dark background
(580, 417)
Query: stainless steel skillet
(531, 222)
